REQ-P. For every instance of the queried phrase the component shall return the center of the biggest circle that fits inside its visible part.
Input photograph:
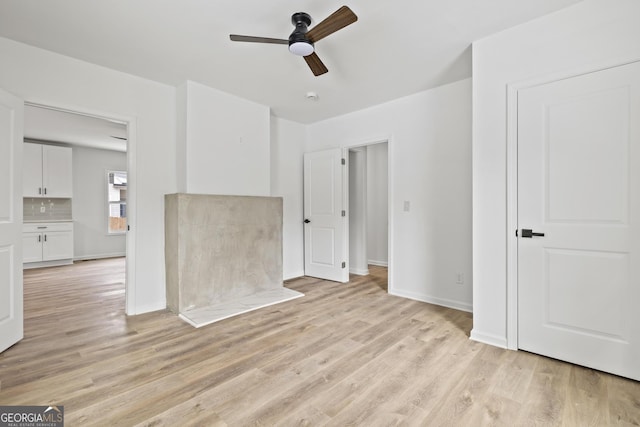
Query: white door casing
(579, 184)
(325, 228)
(11, 136)
(357, 215)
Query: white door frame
(390, 200)
(361, 220)
(130, 122)
(512, 180)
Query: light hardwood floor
(345, 354)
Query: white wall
(287, 150)
(89, 203)
(44, 77)
(377, 204)
(224, 142)
(590, 35)
(181, 137)
(429, 166)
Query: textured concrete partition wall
(221, 248)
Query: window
(117, 202)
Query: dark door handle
(529, 233)
(307, 221)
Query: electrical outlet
(460, 279)
(43, 209)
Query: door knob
(529, 233)
(307, 221)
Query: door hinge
(344, 264)
(344, 213)
(344, 161)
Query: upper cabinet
(47, 171)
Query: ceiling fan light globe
(301, 48)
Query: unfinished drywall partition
(222, 251)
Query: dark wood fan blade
(251, 39)
(336, 21)
(316, 65)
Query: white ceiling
(395, 49)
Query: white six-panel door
(325, 238)
(11, 131)
(579, 185)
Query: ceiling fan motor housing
(299, 44)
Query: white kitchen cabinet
(31, 247)
(46, 171)
(45, 244)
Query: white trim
(512, 218)
(100, 256)
(457, 305)
(294, 275)
(132, 203)
(148, 308)
(345, 219)
(390, 216)
(356, 154)
(378, 263)
(130, 122)
(511, 341)
(494, 340)
(52, 263)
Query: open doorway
(368, 208)
(98, 205)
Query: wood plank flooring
(345, 354)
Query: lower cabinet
(47, 244)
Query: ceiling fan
(302, 39)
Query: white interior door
(579, 185)
(325, 238)
(11, 131)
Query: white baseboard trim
(378, 263)
(457, 305)
(148, 308)
(294, 275)
(359, 271)
(100, 256)
(54, 263)
(494, 340)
